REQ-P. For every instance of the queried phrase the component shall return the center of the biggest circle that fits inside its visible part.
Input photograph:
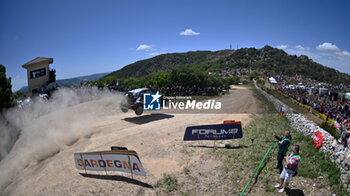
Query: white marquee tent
(272, 80)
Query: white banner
(124, 161)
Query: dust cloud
(41, 129)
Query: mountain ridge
(73, 81)
(267, 60)
(164, 62)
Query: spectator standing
(290, 170)
(282, 148)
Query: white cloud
(167, 49)
(333, 52)
(327, 54)
(300, 47)
(327, 47)
(155, 53)
(145, 47)
(189, 32)
(344, 53)
(282, 47)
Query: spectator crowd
(325, 98)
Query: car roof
(138, 90)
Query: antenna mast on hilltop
(230, 46)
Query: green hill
(164, 62)
(77, 80)
(275, 61)
(265, 60)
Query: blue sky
(89, 36)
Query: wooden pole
(198, 139)
(104, 167)
(214, 140)
(233, 138)
(132, 176)
(81, 156)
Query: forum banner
(214, 132)
(117, 160)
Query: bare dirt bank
(157, 138)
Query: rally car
(134, 100)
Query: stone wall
(337, 153)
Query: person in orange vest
(290, 170)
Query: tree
(188, 77)
(6, 97)
(160, 80)
(111, 80)
(19, 95)
(215, 81)
(253, 75)
(232, 80)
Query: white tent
(272, 80)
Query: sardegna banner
(214, 132)
(114, 160)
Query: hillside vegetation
(186, 77)
(164, 62)
(265, 60)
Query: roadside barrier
(257, 169)
(317, 113)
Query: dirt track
(156, 137)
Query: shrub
(168, 183)
(330, 129)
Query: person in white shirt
(292, 164)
